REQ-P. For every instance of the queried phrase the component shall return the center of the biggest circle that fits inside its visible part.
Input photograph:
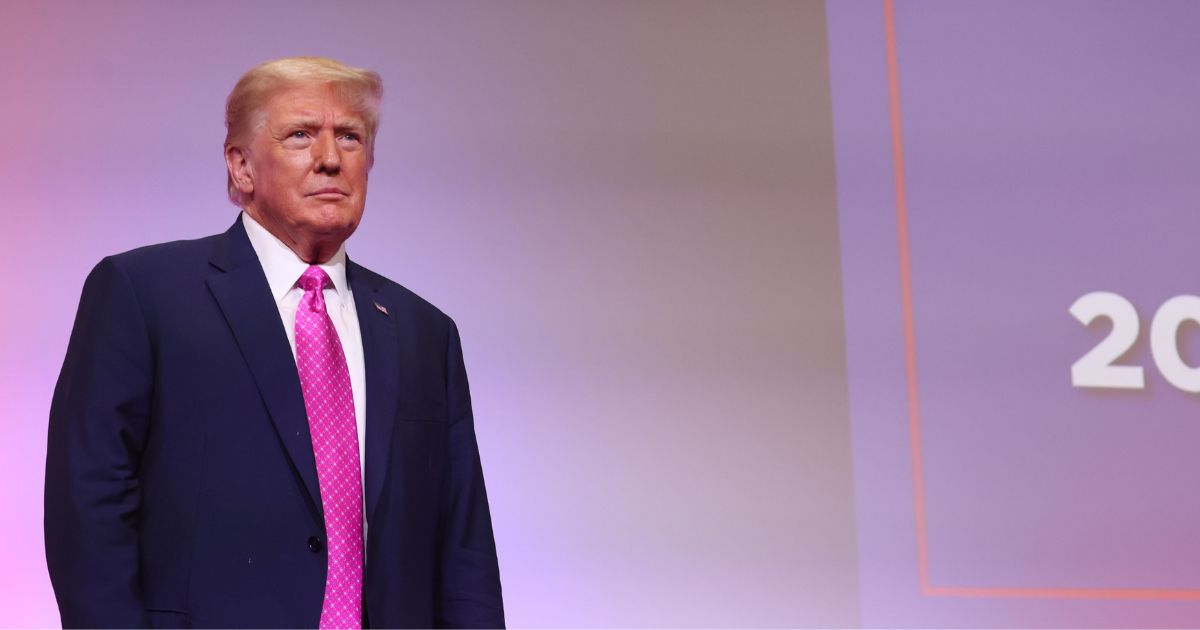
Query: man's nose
(327, 158)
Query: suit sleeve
(98, 425)
(467, 589)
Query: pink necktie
(325, 382)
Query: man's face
(308, 165)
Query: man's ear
(239, 168)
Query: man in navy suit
(200, 473)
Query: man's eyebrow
(350, 125)
(306, 122)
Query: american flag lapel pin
(379, 307)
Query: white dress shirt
(284, 268)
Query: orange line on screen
(910, 350)
(1064, 593)
(914, 407)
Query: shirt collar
(283, 267)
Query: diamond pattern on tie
(329, 402)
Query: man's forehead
(313, 104)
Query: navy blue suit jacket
(181, 488)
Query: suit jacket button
(315, 544)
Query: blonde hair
(244, 113)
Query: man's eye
(297, 134)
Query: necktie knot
(314, 279)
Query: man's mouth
(328, 193)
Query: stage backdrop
(1018, 188)
(628, 207)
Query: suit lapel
(240, 289)
(377, 322)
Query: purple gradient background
(627, 206)
(1051, 150)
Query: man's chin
(330, 220)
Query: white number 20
(1097, 369)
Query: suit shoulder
(158, 272)
(403, 297)
(159, 254)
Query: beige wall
(650, 298)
